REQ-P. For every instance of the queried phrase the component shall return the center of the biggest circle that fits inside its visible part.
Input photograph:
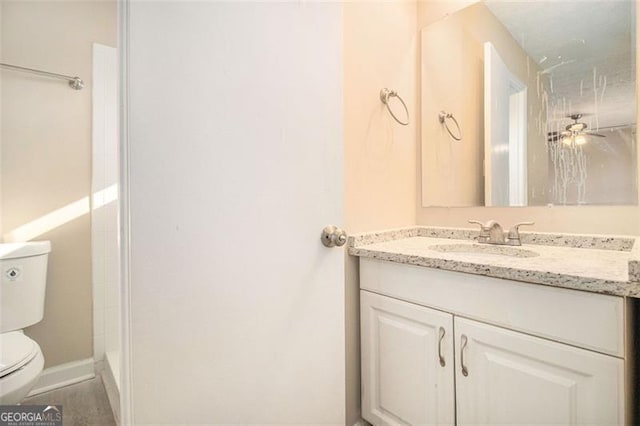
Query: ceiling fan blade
(595, 134)
(579, 115)
(576, 127)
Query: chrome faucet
(492, 233)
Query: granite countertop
(595, 263)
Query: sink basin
(495, 250)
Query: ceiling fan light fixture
(580, 140)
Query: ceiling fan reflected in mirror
(576, 133)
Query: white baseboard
(113, 392)
(64, 375)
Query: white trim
(517, 143)
(488, 128)
(64, 375)
(126, 379)
(104, 191)
(515, 193)
(111, 387)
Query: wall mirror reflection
(545, 97)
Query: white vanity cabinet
(407, 363)
(431, 356)
(513, 378)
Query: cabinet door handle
(442, 333)
(463, 345)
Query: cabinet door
(509, 378)
(407, 363)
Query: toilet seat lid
(16, 350)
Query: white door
(505, 133)
(234, 167)
(515, 379)
(407, 363)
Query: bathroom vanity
(456, 332)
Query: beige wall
(380, 45)
(380, 50)
(578, 219)
(430, 11)
(46, 153)
(451, 63)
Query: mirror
(543, 96)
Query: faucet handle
(477, 222)
(514, 233)
(519, 224)
(484, 231)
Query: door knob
(333, 236)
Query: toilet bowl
(21, 363)
(22, 291)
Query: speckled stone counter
(595, 263)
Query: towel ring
(385, 94)
(443, 117)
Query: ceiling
(569, 40)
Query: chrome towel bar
(443, 116)
(74, 82)
(385, 94)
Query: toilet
(22, 291)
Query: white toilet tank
(24, 276)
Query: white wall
(235, 159)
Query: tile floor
(83, 404)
